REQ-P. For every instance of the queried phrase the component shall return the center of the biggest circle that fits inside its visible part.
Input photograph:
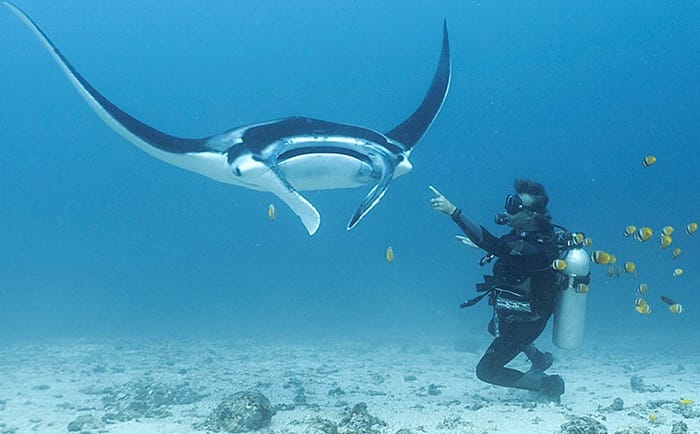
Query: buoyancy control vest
(523, 284)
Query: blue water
(97, 238)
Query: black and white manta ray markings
(283, 156)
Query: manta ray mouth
(323, 150)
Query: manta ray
(283, 156)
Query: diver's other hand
(440, 202)
(466, 241)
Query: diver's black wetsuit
(523, 292)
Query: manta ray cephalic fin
(376, 193)
(281, 188)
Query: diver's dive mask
(514, 204)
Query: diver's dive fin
(410, 131)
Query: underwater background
(98, 239)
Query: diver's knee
(484, 371)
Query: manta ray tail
(130, 128)
(410, 131)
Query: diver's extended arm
(442, 204)
(470, 228)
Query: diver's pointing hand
(435, 191)
(440, 202)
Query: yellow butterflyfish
(643, 234)
(648, 160)
(676, 308)
(601, 257)
(643, 309)
(559, 264)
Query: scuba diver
(522, 290)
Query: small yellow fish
(559, 264)
(389, 254)
(665, 241)
(642, 289)
(643, 309)
(639, 301)
(578, 238)
(587, 242)
(581, 288)
(601, 257)
(691, 228)
(653, 418)
(685, 401)
(666, 230)
(676, 252)
(648, 160)
(629, 231)
(676, 308)
(613, 259)
(643, 234)
(677, 272)
(271, 213)
(630, 267)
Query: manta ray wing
(410, 131)
(147, 138)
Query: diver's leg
(541, 361)
(551, 386)
(491, 368)
(513, 339)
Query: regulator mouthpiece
(501, 218)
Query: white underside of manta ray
(282, 156)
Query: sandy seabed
(171, 386)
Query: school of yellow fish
(642, 234)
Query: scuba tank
(570, 308)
